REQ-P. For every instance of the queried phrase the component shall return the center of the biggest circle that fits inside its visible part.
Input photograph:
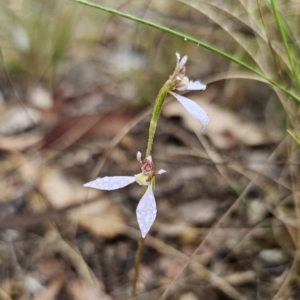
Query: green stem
(138, 259)
(285, 43)
(152, 129)
(155, 115)
(195, 41)
(279, 72)
(138, 256)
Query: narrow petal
(146, 211)
(193, 108)
(196, 85)
(183, 61)
(139, 158)
(161, 171)
(110, 183)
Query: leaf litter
(50, 146)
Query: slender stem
(294, 136)
(155, 115)
(138, 259)
(152, 129)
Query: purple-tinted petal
(196, 85)
(146, 211)
(193, 108)
(110, 183)
(183, 61)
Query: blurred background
(76, 90)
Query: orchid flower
(146, 209)
(178, 81)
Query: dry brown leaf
(102, 218)
(171, 267)
(71, 129)
(50, 267)
(20, 142)
(51, 290)
(199, 212)
(241, 278)
(17, 119)
(61, 190)
(188, 296)
(224, 129)
(40, 97)
(80, 290)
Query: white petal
(193, 108)
(138, 155)
(161, 171)
(196, 85)
(146, 211)
(110, 183)
(183, 61)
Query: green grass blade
(255, 46)
(285, 43)
(193, 40)
(294, 136)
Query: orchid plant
(146, 209)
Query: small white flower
(146, 209)
(180, 82)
